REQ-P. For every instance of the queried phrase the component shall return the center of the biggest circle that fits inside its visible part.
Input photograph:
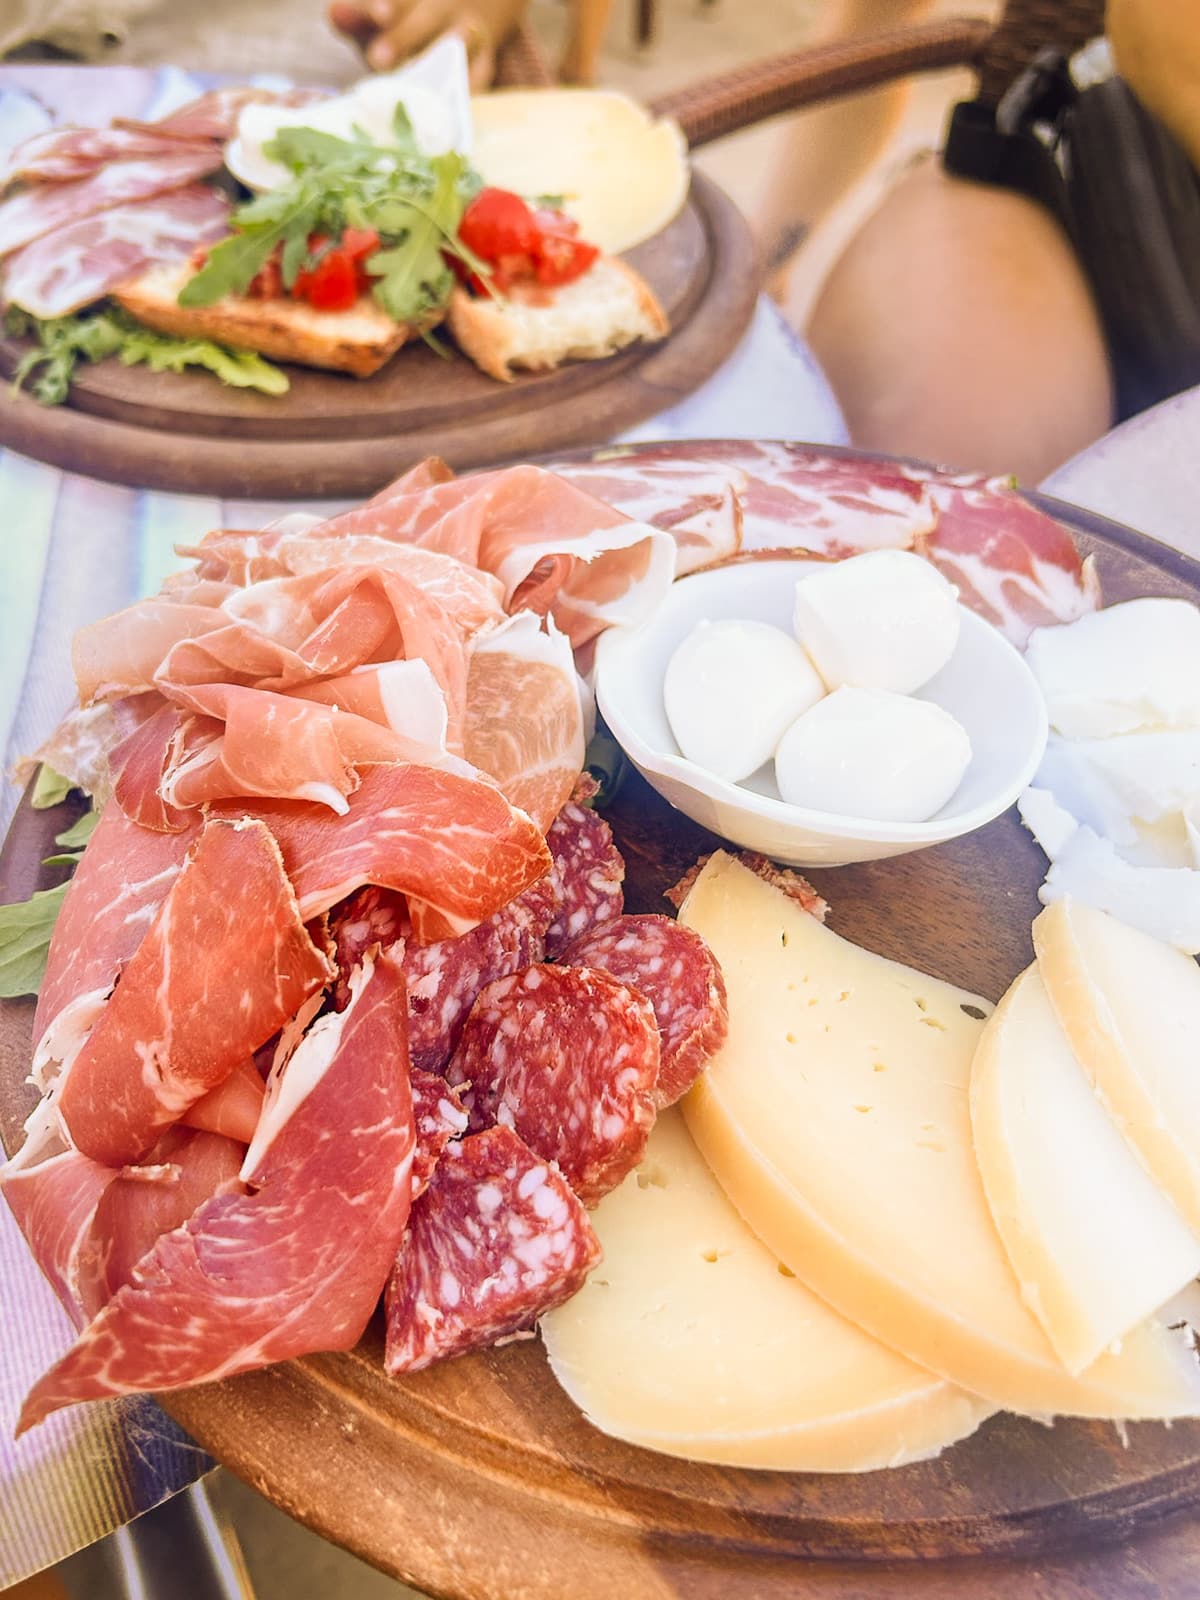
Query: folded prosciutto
(296, 1259)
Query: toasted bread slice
(359, 340)
(607, 308)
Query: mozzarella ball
(731, 688)
(872, 753)
(884, 620)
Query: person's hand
(387, 31)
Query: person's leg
(958, 326)
(825, 150)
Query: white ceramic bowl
(985, 684)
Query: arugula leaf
(413, 277)
(49, 788)
(25, 931)
(269, 220)
(241, 369)
(62, 341)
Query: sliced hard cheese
(836, 1120)
(689, 1339)
(1096, 1245)
(1130, 1006)
(620, 174)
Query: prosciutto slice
(555, 549)
(54, 1204)
(176, 1028)
(113, 899)
(296, 1264)
(453, 845)
(214, 114)
(57, 155)
(233, 1107)
(30, 213)
(82, 261)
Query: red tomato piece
(332, 285)
(498, 223)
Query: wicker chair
(722, 105)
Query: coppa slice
(1131, 1008)
(836, 1120)
(691, 1339)
(1095, 1243)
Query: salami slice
(677, 972)
(444, 977)
(587, 871)
(439, 1117)
(569, 1058)
(495, 1241)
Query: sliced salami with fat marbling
(677, 972)
(494, 1242)
(438, 1116)
(588, 870)
(569, 1058)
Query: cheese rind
(1130, 1005)
(835, 1118)
(1095, 1244)
(688, 1339)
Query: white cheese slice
(1130, 1005)
(620, 174)
(1163, 901)
(1130, 666)
(690, 1338)
(1094, 1242)
(836, 1120)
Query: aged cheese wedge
(619, 173)
(836, 1120)
(1094, 1242)
(1130, 1006)
(690, 1339)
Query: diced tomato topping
(521, 244)
(335, 279)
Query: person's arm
(389, 30)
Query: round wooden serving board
(479, 1479)
(334, 435)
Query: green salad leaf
(27, 927)
(49, 788)
(413, 201)
(92, 336)
(25, 931)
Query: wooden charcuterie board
(333, 435)
(479, 1479)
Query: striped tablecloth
(72, 550)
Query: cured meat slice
(497, 1240)
(679, 975)
(54, 1203)
(452, 845)
(225, 965)
(113, 899)
(524, 717)
(554, 548)
(438, 1116)
(444, 977)
(30, 213)
(120, 654)
(214, 114)
(1012, 563)
(569, 1058)
(699, 504)
(233, 1107)
(587, 873)
(267, 1275)
(184, 1169)
(55, 155)
(84, 260)
(151, 731)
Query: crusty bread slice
(359, 340)
(607, 308)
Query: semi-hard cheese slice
(689, 1338)
(835, 1118)
(1095, 1243)
(1130, 1006)
(620, 174)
